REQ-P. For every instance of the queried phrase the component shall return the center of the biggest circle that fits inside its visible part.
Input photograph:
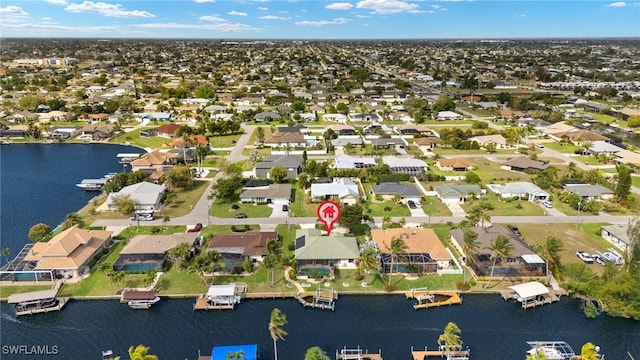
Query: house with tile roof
(318, 253)
(154, 164)
(150, 251)
(236, 248)
(454, 164)
(283, 139)
(496, 139)
(424, 250)
(168, 130)
(524, 164)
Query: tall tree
(623, 182)
(367, 261)
(501, 248)
(551, 251)
(72, 219)
(5, 253)
(260, 134)
(277, 321)
(141, 352)
(315, 353)
(470, 247)
(215, 258)
(633, 247)
(450, 339)
(351, 215)
(39, 232)
(278, 174)
(200, 266)
(269, 262)
(397, 248)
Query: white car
(547, 204)
(585, 257)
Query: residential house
(319, 254)
(405, 165)
(342, 129)
(342, 189)
(389, 190)
(388, 143)
(236, 248)
(427, 143)
(197, 139)
(448, 115)
(456, 193)
(627, 157)
(454, 164)
(616, 235)
(524, 164)
(485, 140)
(523, 261)
(424, 250)
(270, 194)
(168, 131)
(354, 162)
(293, 129)
(589, 191)
(603, 147)
(266, 116)
(154, 164)
(99, 131)
(341, 142)
(156, 116)
(339, 118)
(68, 253)
(520, 190)
(149, 252)
(580, 136)
(626, 113)
(146, 196)
(286, 139)
(294, 164)
(410, 129)
(595, 107)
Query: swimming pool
(139, 267)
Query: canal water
(37, 185)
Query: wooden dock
(549, 298)
(202, 303)
(426, 299)
(421, 355)
(61, 303)
(356, 354)
(321, 299)
(270, 295)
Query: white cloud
(273, 17)
(618, 4)
(13, 10)
(223, 27)
(363, 16)
(387, 6)
(262, 8)
(337, 21)
(339, 6)
(212, 18)
(521, 15)
(57, 2)
(237, 13)
(106, 9)
(204, 1)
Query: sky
(319, 19)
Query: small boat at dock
(36, 302)
(95, 184)
(140, 299)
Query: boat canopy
(32, 296)
(530, 290)
(221, 290)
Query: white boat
(92, 184)
(140, 299)
(552, 350)
(142, 304)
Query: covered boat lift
(36, 301)
(530, 294)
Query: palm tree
(215, 258)
(470, 247)
(501, 249)
(276, 323)
(141, 352)
(165, 221)
(149, 277)
(5, 253)
(397, 249)
(72, 219)
(199, 266)
(367, 261)
(270, 261)
(235, 355)
(450, 338)
(550, 251)
(588, 352)
(117, 277)
(539, 355)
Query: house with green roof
(316, 253)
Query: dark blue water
(494, 329)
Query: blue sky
(319, 19)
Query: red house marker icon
(328, 213)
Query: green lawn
(376, 208)
(635, 181)
(182, 204)
(177, 281)
(300, 207)
(134, 138)
(223, 210)
(224, 141)
(490, 171)
(506, 208)
(563, 148)
(433, 207)
(7, 290)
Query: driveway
(277, 211)
(456, 210)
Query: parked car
(412, 204)
(547, 204)
(196, 228)
(285, 207)
(585, 257)
(241, 216)
(613, 257)
(145, 217)
(540, 146)
(598, 259)
(515, 230)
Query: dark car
(412, 204)
(197, 228)
(241, 216)
(515, 230)
(285, 207)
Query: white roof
(532, 259)
(31, 296)
(340, 186)
(530, 289)
(221, 290)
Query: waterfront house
(149, 252)
(603, 147)
(147, 196)
(168, 131)
(270, 194)
(236, 248)
(320, 254)
(454, 164)
(627, 157)
(457, 193)
(523, 262)
(154, 164)
(67, 253)
(341, 189)
(389, 190)
(98, 131)
(424, 251)
(616, 235)
(294, 164)
(524, 164)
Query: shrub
(472, 282)
(390, 287)
(462, 286)
(235, 206)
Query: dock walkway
(449, 355)
(426, 299)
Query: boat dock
(321, 299)
(126, 158)
(356, 354)
(36, 302)
(530, 294)
(221, 297)
(449, 355)
(92, 184)
(426, 299)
